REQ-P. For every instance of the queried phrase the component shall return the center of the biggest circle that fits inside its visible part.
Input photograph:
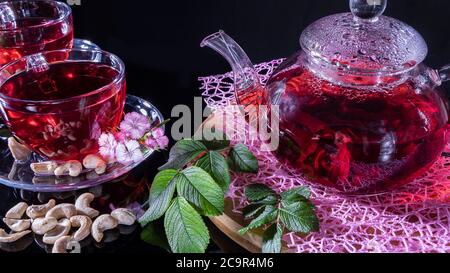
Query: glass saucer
(19, 175)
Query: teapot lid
(364, 41)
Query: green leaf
(153, 234)
(253, 210)
(269, 200)
(242, 160)
(183, 152)
(258, 192)
(185, 229)
(300, 194)
(161, 193)
(302, 191)
(219, 141)
(216, 165)
(272, 239)
(198, 187)
(299, 217)
(256, 208)
(268, 215)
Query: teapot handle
(444, 73)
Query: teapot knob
(367, 10)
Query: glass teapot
(358, 110)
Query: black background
(159, 40)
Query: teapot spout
(248, 88)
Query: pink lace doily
(414, 218)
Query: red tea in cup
(29, 27)
(59, 102)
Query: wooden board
(231, 222)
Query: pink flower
(108, 144)
(157, 140)
(135, 125)
(151, 143)
(121, 137)
(158, 132)
(129, 152)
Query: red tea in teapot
(359, 140)
(61, 111)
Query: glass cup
(29, 27)
(59, 102)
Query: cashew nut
(102, 223)
(83, 205)
(84, 223)
(38, 211)
(95, 162)
(124, 216)
(62, 211)
(13, 237)
(73, 167)
(60, 245)
(41, 226)
(62, 229)
(17, 225)
(110, 236)
(18, 246)
(19, 152)
(17, 211)
(44, 168)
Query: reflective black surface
(129, 191)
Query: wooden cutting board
(231, 222)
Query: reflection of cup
(59, 102)
(29, 27)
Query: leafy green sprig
(193, 184)
(290, 211)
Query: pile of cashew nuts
(55, 222)
(72, 167)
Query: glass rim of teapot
(64, 12)
(116, 63)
